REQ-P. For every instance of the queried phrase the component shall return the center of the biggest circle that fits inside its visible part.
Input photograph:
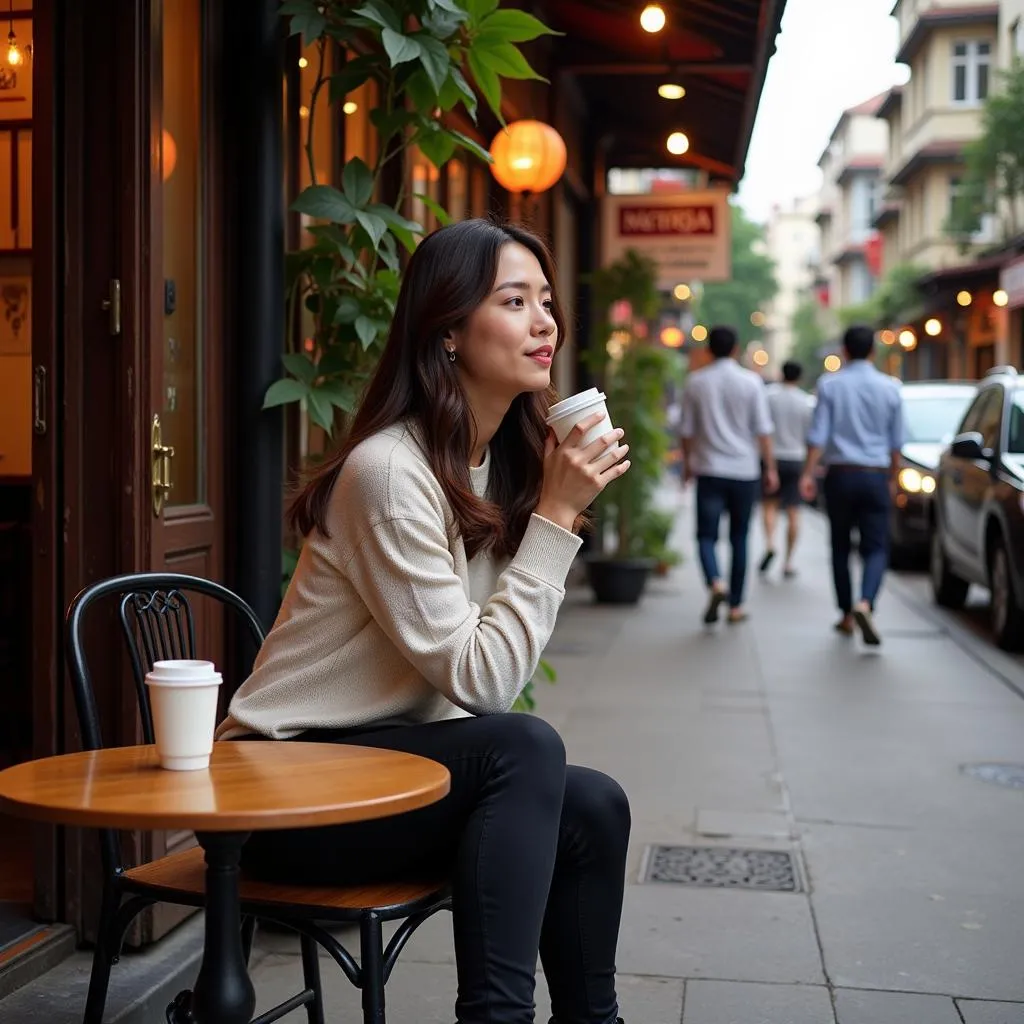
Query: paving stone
(729, 1002)
(857, 1007)
(425, 992)
(678, 932)
(991, 1013)
(722, 824)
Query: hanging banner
(686, 234)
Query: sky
(831, 55)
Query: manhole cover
(723, 867)
(1011, 775)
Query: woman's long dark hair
(450, 274)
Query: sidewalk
(776, 734)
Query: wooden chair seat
(185, 872)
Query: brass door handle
(161, 467)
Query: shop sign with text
(686, 234)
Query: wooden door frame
(101, 441)
(47, 354)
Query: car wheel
(949, 590)
(1007, 613)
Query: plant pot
(618, 580)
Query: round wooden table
(249, 786)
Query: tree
(808, 339)
(751, 284)
(994, 178)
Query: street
(779, 735)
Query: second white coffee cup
(183, 698)
(564, 415)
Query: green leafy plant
(994, 178)
(751, 284)
(419, 54)
(653, 530)
(526, 701)
(635, 385)
(634, 380)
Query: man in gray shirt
(791, 415)
(726, 432)
(858, 431)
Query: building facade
(851, 168)
(793, 240)
(953, 52)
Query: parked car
(931, 412)
(978, 535)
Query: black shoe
(766, 561)
(718, 598)
(866, 624)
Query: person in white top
(437, 543)
(791, 415)
(726, 432)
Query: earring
(451, 355)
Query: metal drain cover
(723, 867)
(1011, 775)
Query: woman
(437, 542)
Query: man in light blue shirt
(858, 430)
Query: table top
(248, 786)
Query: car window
(975, 412)
(933, 419)
(991, 421)
(1015, 441)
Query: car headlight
(913, 481)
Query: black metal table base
(223, 992)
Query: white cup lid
(183, 671)
(576, 402)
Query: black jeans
(858, 498)
(715, 496)
(535, 849)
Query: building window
(988, 227)
(971, 65)
(1017, 39)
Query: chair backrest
(157, 623)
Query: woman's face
(507, 344)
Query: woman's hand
(575, 475)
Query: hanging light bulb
(15, 57)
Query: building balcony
(915, 29)
(939, 152)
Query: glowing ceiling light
(964, 298)
(671, 91)
(652, 18)
(933, 327)
(999, 297)
(677, 143)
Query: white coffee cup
(564, 415)
(183, 698)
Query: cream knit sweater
(387, 622)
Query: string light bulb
(652, 18)
(15, 56)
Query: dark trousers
(535, 849)
(716, 496)
(861, 499)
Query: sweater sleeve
(479, 658)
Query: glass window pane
(182, 163)
(960, 50)
(960, 82)
(982, 82)
(984, 49)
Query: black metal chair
(157, 622)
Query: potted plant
(632, 534)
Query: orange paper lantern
(529, 156)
